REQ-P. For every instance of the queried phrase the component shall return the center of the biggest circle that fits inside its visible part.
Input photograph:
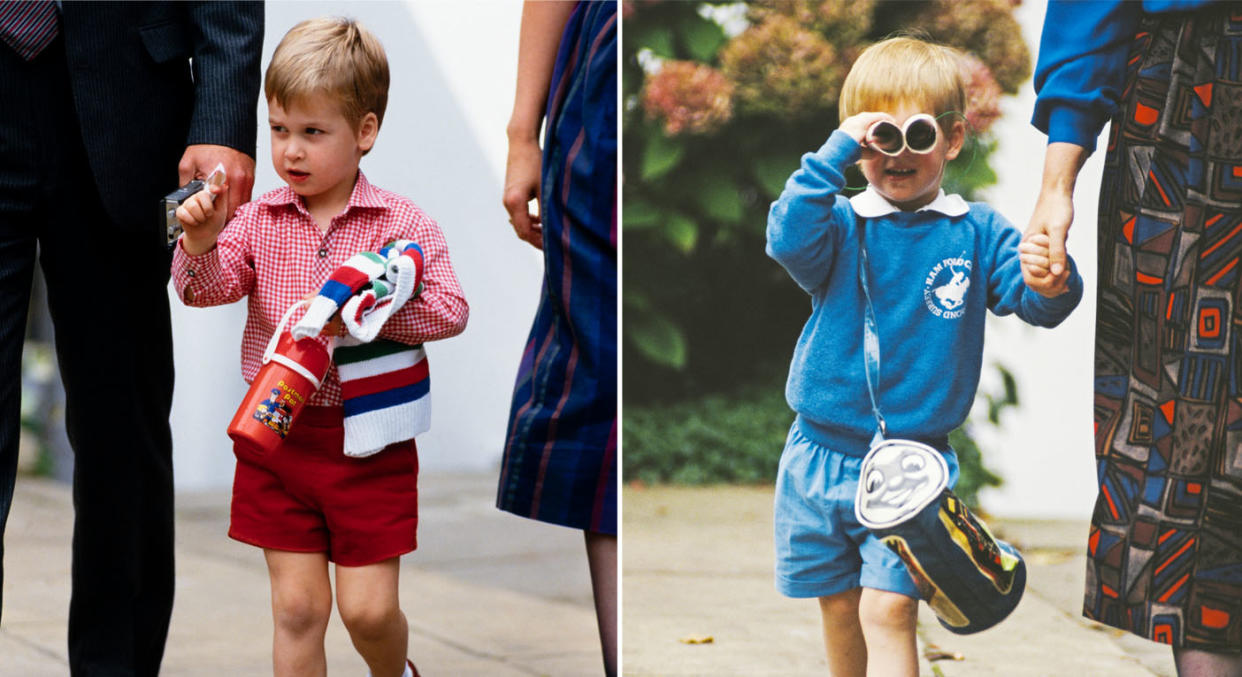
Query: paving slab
(697, 562)
(486, 593)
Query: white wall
(1045, 450)
(443, 145)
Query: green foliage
(660, 156)
(973, 474)
(737, 438)
(971, 172)
(654, 334)
(713, 440)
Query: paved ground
(487, 593)
(491, 594)
(697, 563)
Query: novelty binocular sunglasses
(918, 135)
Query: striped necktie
(28, 26)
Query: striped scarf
(387, 394)
(384, 384)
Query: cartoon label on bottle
(276, 412)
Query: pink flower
(982, 94)
(690, 97)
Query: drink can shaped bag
(970, 579)
(291, 373)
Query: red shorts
(308, 496)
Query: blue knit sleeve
(1007, 291)
(805, 223)
(1081, 67)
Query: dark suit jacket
(150, 78)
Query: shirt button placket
(321, 254)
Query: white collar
(869, 204)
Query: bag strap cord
(871, 337)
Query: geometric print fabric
(1165, 547)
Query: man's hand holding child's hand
(202, 218)
(1036, 266)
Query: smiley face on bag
(898, 479)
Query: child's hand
(335, 326)
(202, 218)
(857, 125)
(1033, 252)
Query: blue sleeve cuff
(1049, 312)
(1071, 125)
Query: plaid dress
(560, 460)
(1165, 548)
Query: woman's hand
(1054, 210)
(522, 178)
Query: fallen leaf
(934, 653)
(697, 639)
(1048, 556)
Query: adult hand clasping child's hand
(1034, 254)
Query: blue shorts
(821, 549)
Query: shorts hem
(361, 562)
(348, 562)
(897, 581)
(808, 589)
(258, 543)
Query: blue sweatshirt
(1082, 63)
(933, 274)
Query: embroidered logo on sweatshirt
(944, 290)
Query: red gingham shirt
(273, 252)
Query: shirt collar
(869, 204)
(364, 195)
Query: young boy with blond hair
(935, 264)
(307, 503)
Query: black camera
(174, 199)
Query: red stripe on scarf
(365, 304)
(417, 256)
(351, 277)
(386, 381)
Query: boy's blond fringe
(332, 56)
(907, 69)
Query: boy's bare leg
(888, 623)
(602, 558)
(371, 611)
(301, 605)
(843, 635)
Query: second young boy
(935, 265)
